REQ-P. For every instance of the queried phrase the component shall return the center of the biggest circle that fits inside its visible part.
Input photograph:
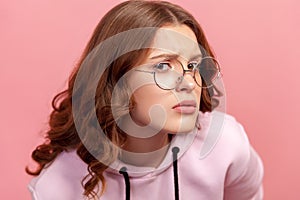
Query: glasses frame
(219, 75)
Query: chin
(182, 123)
(185, 128)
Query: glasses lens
(168, 74)
(209, 71)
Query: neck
(146, 152)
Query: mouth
(186, 107)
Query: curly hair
(63, 134)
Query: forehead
(179, 40)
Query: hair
(63, 134)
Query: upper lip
(186, 103)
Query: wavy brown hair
(63, 134)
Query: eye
(193, 65)
(162, 67)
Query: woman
(137, 120)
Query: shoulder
(244, 171)
(221, 132)
(61, 180)
(233, 133)
(223, 137)
(233, 139)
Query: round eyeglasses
(168, 74)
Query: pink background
(257, 43)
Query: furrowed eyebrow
(168, 56)
(175, 56)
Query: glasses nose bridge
(184, 64)
(191, 83)
(188, 70)
(184, 81)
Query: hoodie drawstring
(175, 151)
(123, 171)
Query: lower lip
(185, 109)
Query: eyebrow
(174, 56)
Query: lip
(186, 107)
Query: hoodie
(214, 162)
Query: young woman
(139, 118)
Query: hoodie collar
(182, 141)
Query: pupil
(162, 66)
(190, 66)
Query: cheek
(145, 98)
(198, 93)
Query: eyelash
(156, 66)
(194, 63)
(169, 62)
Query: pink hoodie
(213, 163)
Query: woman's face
(169, 111)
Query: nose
(186, 82)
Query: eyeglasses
(168, 74)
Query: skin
(180, 41)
